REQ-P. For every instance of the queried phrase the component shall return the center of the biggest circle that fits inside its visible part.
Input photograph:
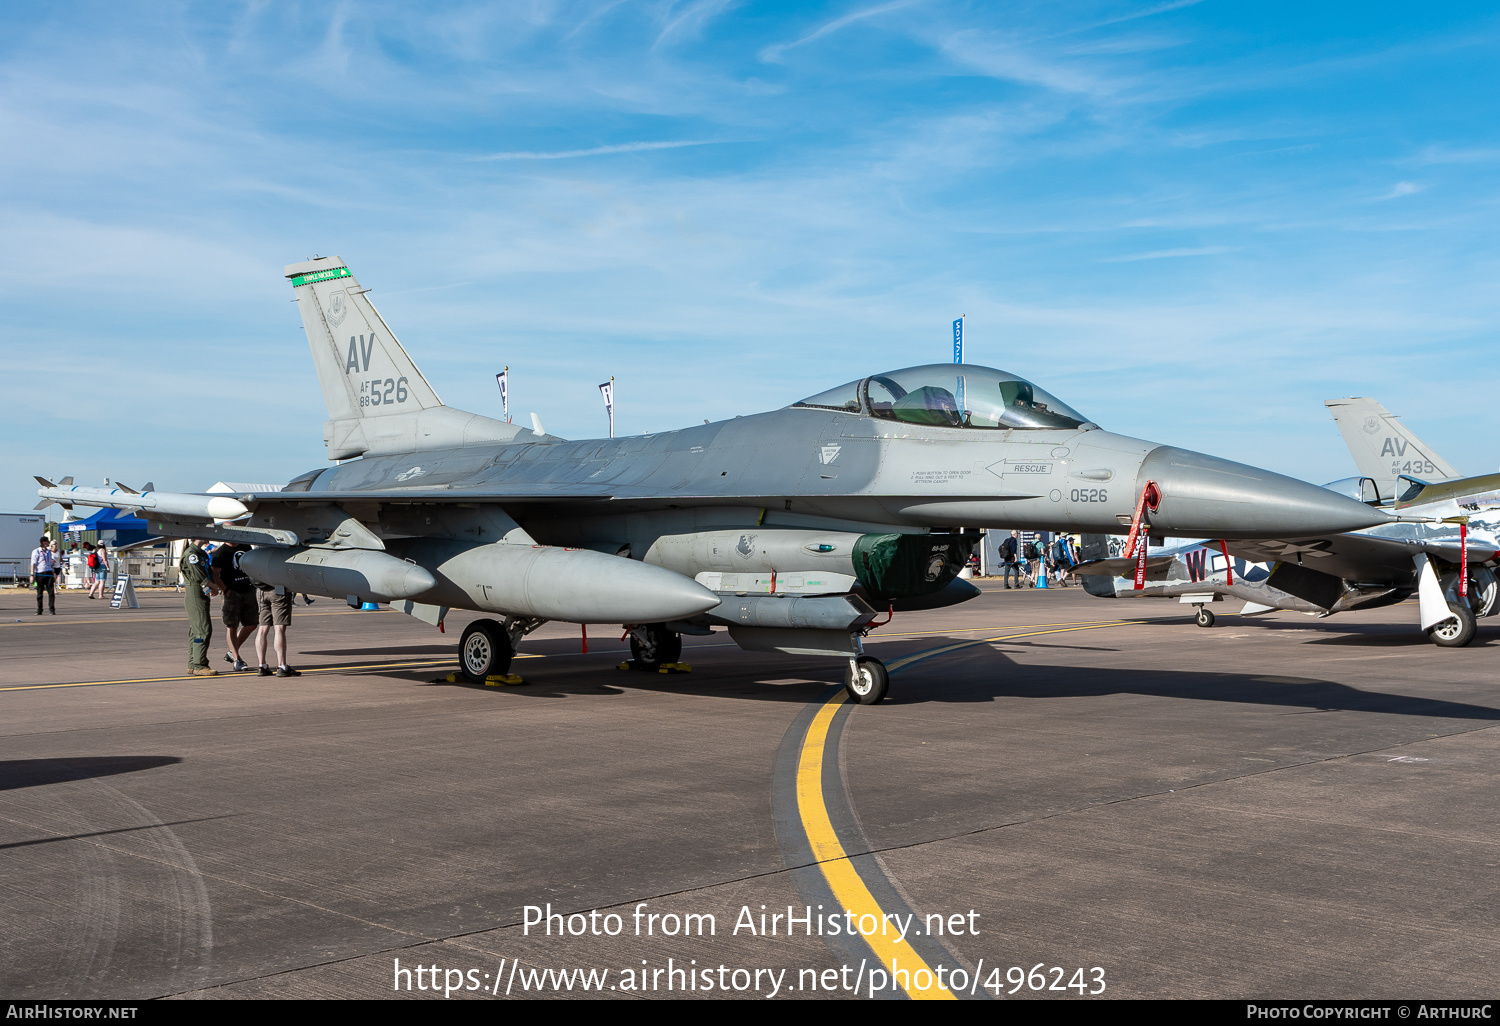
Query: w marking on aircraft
(1196, 561)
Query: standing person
(44, 575)
(240, 612)
(88, 563)
(1065, 557)
(197, 586)
(1034, 560)
(1009, 550)
(98, 564)
(275, 617)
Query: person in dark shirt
(240, 613)
(1009, 549)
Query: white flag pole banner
(608, 391)
(503, 380)
(958, 357)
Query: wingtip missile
(182, 504)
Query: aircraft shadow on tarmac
(952, 677)
(922, 683)
(369, 651)
(1334, 632)
(19, 773)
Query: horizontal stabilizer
(1121, 567)
(1418, 493)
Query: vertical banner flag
(608, 391)
(958, 357)
(1463, 558)
(503, 380)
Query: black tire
(1204, 617)
(869, 683)
(659, 646)
(1459, 631)
(484, 651)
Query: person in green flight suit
(197, 586)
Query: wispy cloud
(690, 21)
(775, 50)
(1452, 155)
(1167, 254)
(1163, 8)
(1403, 189)
(595, 151)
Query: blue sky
(1191, 221)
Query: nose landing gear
(867, 680)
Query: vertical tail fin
(377, 399)
(361, 366)
(1383, 447)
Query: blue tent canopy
(105, 520)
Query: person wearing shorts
(240, 612)
(98, 569)
(275, 617)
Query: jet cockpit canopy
(956, 395)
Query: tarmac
(1094, 796)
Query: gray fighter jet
(794, 529)
(1365, 569)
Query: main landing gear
(652, 646)
(866, 680)
(1457, 632)
(487, 647)
(485, 651)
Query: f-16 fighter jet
(1366, 569)
(794, 529)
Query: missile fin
(42, 481)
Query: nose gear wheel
(866, 680)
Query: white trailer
(18, 535)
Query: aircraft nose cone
(1206, 496)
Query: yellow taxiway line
(244, 673)
(849, 890)
(833, 860)
(38, 621)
